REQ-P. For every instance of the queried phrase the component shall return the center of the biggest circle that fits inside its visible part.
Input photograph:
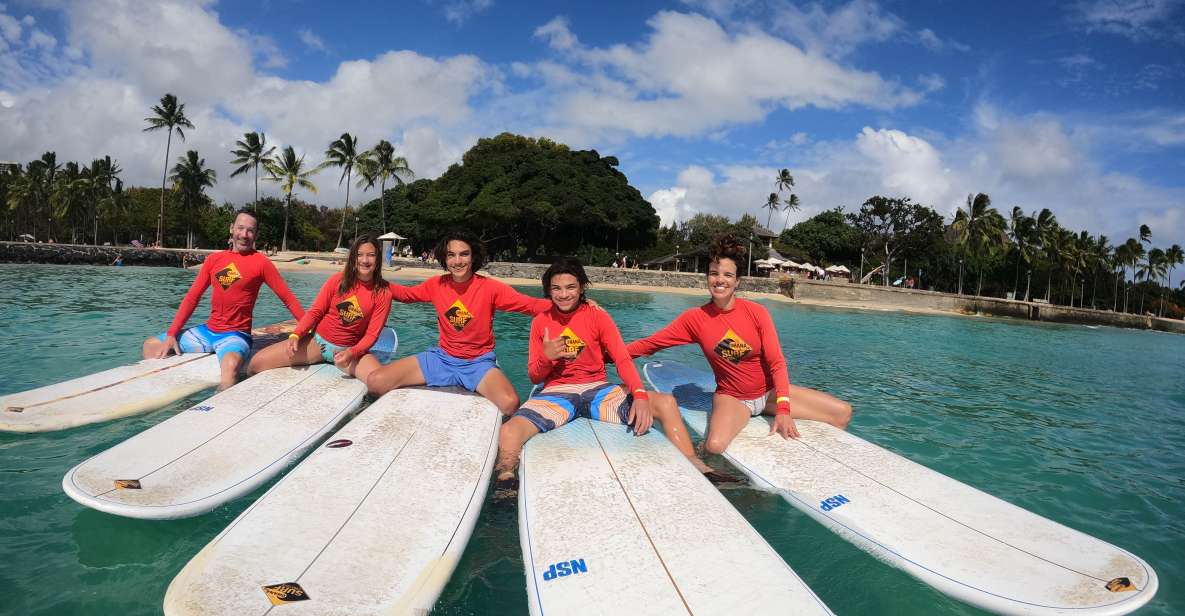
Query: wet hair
(727, 246)
(350, 273)
(477, 250)
(248, 212)
(565, 265)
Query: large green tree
(379, 165)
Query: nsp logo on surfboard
(838, 500)
(564, 569)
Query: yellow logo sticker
(127, 484)
(1120, 584)
(349, 310)
(458, 315)
(228, 276)
(732, 348)
(573, 342)
(288, 592)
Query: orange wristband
(640, 394)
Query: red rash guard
(741, 346)
(589, 332)
(465, 311)
(236, 278)
(353, 319)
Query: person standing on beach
(567, 349)
(465, 303)
(236, 275)
(738, 339)
(344, 322)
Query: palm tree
(1100, 255)
(784, 181)
(1172, 257)
(1020, 228)
(170, 115)
(104, 173)
(250, 152)
(980, 229)
(1152, 268)
(289, 171)
(792, 204)
(1145, 234)
(69, 196)
(1129, 254)
(43, 174)
(380, 164)
(191, 178)
(773, 203)
(343, 153)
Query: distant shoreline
(790, 291)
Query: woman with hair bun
(739, 340)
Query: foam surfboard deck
(961, 541)
(374, 521)
(219, 449)
(612, 523)
(146, 385)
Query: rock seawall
(79, 254)
(854, 294)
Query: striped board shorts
(558, 404)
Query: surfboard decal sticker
(287, 592)
(15, 409)
(839, 500)
(202, 408)
(339, 443)
(564, 569)
(127, 484)
(1120, 584)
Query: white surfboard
(612, 523)
(374, 521)
(963, 542)
(144, 386)
(219, 449)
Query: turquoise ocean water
(1084, 426)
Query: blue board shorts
(560, 404)
(202, 339)
(383, 349)
(443, 370)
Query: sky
(1077, 105)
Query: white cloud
(840, 31)
(932, 82)
(1134, 19)
(1028, 161)
(933, 42)
(459, 11)
(557, 34)
(122, 56)
(10, 28)
(690, 77)
(312, 41)
(39, 39)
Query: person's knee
(507, 402)
(149, 348)
(843, 416)
(376, 384)
(715, 446)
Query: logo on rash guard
(573, 342)
(458, 315)
(732, 348)
(349, 310)
(228, 276)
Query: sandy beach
(422, 273)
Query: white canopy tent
(389, 252)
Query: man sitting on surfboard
(465, 303)
(236, 275)
(567, 348)
(741, 345)
(344, 323)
